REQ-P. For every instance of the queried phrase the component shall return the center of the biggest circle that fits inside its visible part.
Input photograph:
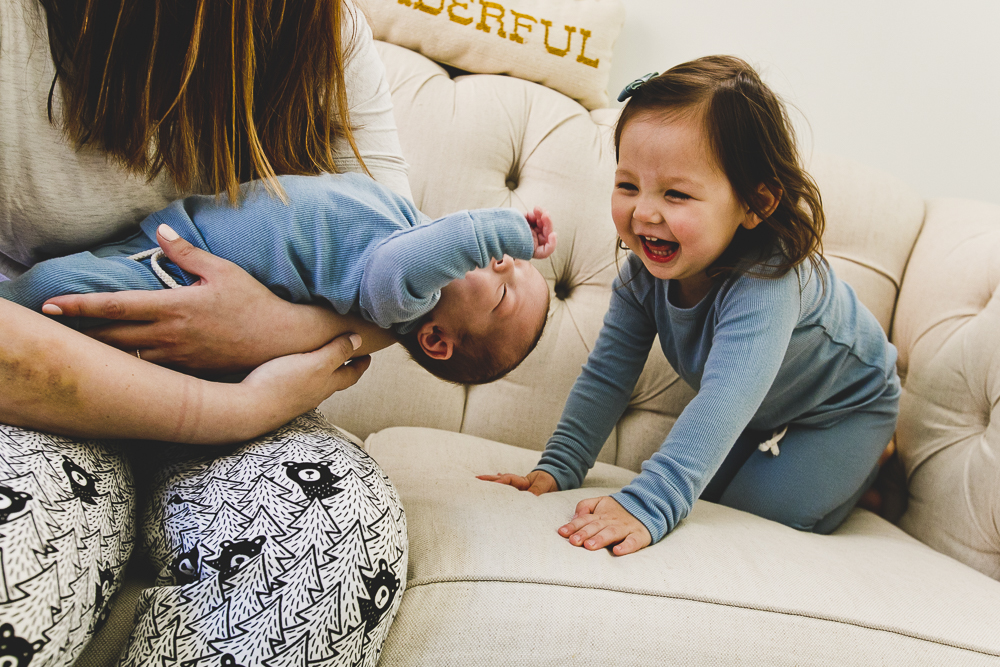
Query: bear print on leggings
(67, 517)
(287, 551)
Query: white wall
(908, 87)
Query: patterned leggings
(286, 551)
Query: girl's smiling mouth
(658, 250)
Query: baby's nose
(505, 263)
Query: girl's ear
(435, 342)
(769, 198)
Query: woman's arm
(227, 323)
(56, 379)
(370, 106)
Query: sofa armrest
(947, 329)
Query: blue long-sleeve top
(761, 352)
(342, 240)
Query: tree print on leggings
(288, 551)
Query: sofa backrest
(484, 140)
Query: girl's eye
(674, 194)
(626, 186)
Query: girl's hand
(226, 322)
(537, 481)
(285, 387)
(600, 522)
(541, 229)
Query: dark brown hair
(473, 360)
(748, 130)
(217, 93)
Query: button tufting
(562, 290)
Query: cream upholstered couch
(491, 583)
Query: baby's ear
(435, 342)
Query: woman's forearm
(58, 380)
(303, 328)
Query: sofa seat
(489, 577)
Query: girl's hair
(749, 132)
(217, 93)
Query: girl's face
(672, 204)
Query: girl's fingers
(629, 545)
(584, 532)
(586, 506)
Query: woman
(109, 110)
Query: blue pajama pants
(819, 473)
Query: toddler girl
(797, 387)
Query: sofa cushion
(490, 576)
(563, 44)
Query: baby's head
(484, 325)
(747, 138)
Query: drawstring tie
(771, 445)
(155, 255)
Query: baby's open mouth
(659, 250)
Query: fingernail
(167, 232)
(356, 341)
(51, 309)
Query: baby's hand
(599, 522)
(537, 481)
(541, 231)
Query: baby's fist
(541, 232)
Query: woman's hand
(537, 481)
(290, 385)
(226, 322)
(600, 522)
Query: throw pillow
(563, 44)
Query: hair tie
(630, 89)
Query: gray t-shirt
(55, 199)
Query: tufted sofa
(491, 583)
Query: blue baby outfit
(763, 353)
(342, 240)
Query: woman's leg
(819, 474)
(286, 550)
(67, 516)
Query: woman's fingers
(131, 305)
(188, 257)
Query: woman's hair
(749, 132)
(217, 93)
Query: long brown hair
(216, 93)
(748, 129)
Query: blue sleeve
(755, 320)
(404, 274)
(603, 390)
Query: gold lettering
(499, 17)
(569, 36)
(464, 20)
(581, 58)
(427, 8)
(405, 2)
(514, 37)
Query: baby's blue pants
(106, 268)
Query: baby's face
(509, 295)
